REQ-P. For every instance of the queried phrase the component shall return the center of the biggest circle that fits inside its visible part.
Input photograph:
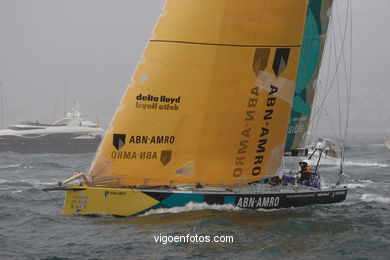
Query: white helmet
(305, 161)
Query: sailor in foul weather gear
(303, 175)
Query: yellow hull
(93, 200)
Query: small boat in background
(70, 135)
(324, 148)
(387, 144)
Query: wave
(361, 183)
(16, 191)
(371, 197)
(9, 166)
(366, 181)
(16, 183)
(340, 204)
(191, 206)
(355, 185)
(38, 184)
(38, 165)
(46, 165)
(365, 164)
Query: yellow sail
(210, 100)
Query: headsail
(314, 37)
(210, 101)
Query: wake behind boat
(205, 117)
(70, 135)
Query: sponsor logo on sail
(151, 102)
(279, 65)
(165, 157)
(160, 139)
(119, 141)
(131, 155)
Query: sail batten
(229, 45)
(210, 101)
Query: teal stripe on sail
(311, 52)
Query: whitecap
(366, 181)
(355, 185)
(365, 164)
(7, 166)
(371, 197)
(3, 181)
(191, 206)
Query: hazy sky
(93, 46)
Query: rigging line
(337, 66)
(330, 121)
(328, 48)
(350, 81)
(54, 200)
(346, 73)
(344, 54)
(331, 41)
(337, 77)
(314, 121)
(348, 85)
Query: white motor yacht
(72, 134)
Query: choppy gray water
(32, 226)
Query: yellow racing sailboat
(205, 116)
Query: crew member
(276, 180)
(303, 175)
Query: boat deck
(249, 189)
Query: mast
(2, 105)
(64, 100)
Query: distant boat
(69, 135)
(387, 144)
(324, 149)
